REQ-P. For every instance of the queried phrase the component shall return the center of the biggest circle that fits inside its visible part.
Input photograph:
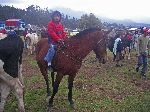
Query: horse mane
(86, 31)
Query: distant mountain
(126, 22)
(70, 12)
(143, 19)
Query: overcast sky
(115, 9)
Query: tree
(89, 21)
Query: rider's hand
(61, 41)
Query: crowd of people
(139, 40)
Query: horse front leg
(44, 72)
(58, 79)
(70, 86)
(52, 76)
(47, 84)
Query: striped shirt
(143, 44)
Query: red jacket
(56, 31)
(129, 37)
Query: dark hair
(117, 35)
(56, 13)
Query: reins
(73, 57)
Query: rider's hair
(56, 13)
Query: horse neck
(82, 47)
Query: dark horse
(68, 60)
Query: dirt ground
(90, 68)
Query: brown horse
(68, 60)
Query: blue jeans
(50, 54)
(143, 60)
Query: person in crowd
(12, 33)
(142, 51)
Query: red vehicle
(17, 24)
(2, 30)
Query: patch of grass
(137, 103)
(33, 63)
(103, 89)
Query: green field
(97, 88)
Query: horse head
(101, 51)
(101, 47)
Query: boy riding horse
(56, 35)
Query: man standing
(142, 51)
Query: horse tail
(21, 51)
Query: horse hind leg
(70, 86)
(4, 90)
(18, 88)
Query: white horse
(31, 41)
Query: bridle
(73, 57)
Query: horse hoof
(50, 104)
(49, 94)
(71, 105)
(47, 99)
(49, 109)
